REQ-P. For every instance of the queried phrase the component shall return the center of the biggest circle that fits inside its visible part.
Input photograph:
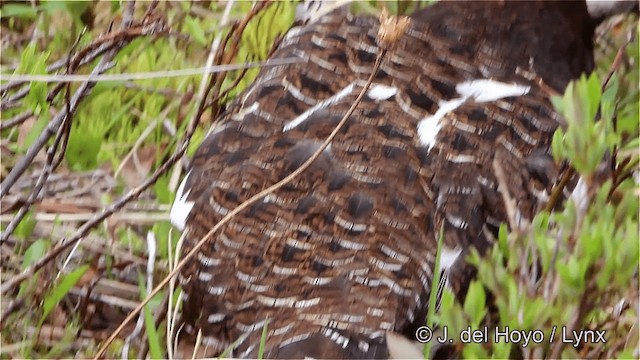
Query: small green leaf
(503, 233)
(82, 150)
(50, 7)
(473, 350)
(592, 94)
(58, 292)
(161, 189)
(24, 11)
(557, 146)
(627, 354)
(38, 127)
(591, 241)
(153, 338)
(263, 338)
(502, 350)
(474, 304)
(195, 30)
(26, 226)
(163, 230)
(34, 252)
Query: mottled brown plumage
(346, 251)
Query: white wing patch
(484, 90)
(599, 8)
(480, 90)
(319, 106)
(579, 195)
(429, 127)
(381, 92)
(240, 115)
(448, 257)
(181, 207)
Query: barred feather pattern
(346, 251)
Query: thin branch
(64, 78)
(617, 61)
(556, 193)
(49, 166)
(236, 33)
(509, 202)
(16, 120)
(119, 40)
(52, 127)
(151, 9)
(115, 206)
(21, 93)
(61, 125)
(108, 42)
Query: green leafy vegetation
(574, 269)
(67, 281)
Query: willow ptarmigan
(345, 252)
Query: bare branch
(16, 120)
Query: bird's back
(346, 251)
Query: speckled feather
(345, 252)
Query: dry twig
(105, 63)
(61, 126)
(52, 128)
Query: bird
(345, 252)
